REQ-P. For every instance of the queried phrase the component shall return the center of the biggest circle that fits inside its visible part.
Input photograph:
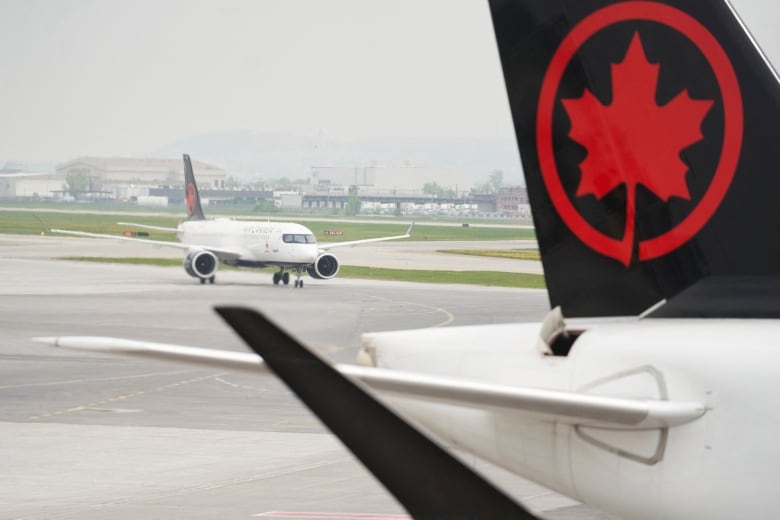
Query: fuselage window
(299, 239)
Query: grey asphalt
(91, 436)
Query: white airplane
(285, 245)
(647, 132)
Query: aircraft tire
(286, 278)
(276, 278)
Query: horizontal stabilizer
(239, 361)
(576, 408)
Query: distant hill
(249, 156)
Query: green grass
(516, 254)
(24, 222)
(358, 231)
(487, 278)
(238, 210)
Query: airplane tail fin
(647, 132)
(192, 197)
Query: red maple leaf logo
(190, 199)
(633, 140)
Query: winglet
(411, 228)
(389, 447)
(46, 227)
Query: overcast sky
(111, 77)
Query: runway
(90, 436)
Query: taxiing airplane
(286, 245)
(647, 133)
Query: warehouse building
(126, 178)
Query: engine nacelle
(324, 267)
(201, 264)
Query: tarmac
(91, 436)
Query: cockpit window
(299, 239)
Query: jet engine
(324, 267)
(201, 264)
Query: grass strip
(487, 278)
(26, 223)
(515, 254)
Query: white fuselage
(263, 243)
(725, 464)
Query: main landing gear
(210, 280)
(284, 277)
(281, 276)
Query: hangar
(125, 178)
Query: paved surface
(89, 436)
(400, 255)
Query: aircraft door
(276, 246)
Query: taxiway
(87, 436)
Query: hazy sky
(111, 77)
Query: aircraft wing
(147, 226)
(220, 252)
(569, 407)
(408, 233)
